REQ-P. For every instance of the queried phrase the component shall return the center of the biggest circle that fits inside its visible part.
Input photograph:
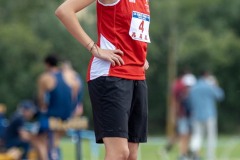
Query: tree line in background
(193, 34)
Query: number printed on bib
(139, 28)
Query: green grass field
(228, 149)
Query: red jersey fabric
(179, 92)
(123, 25)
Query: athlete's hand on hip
(113, 56)
(146, 65)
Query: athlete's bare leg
(116, 148)
(57, 138)
(184, 144)
(133, 148)
(40, 144)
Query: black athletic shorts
(120, 108)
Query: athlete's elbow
(60, 12)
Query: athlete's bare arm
(45, 83)
(41, 92)
(67, 15)
(146, 65)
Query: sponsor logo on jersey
(132, 1)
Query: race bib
(139, 28)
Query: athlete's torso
(60, 102)
(123, 25)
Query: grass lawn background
(228, 149)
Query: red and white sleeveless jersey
(123, 25)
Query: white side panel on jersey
(101, 67)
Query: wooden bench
(76, 123)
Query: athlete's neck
(108, 1)
(53, 69)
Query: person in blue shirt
(58, 95)
(66, 66)
(203, 99)
(18, 134)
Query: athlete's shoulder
(71, 77)
(45, 77)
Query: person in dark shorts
(116, 73)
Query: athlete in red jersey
(126, 29)
(116, 73)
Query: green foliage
(206, 36)
(30, 32)
(20, 62)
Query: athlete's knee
(124, 154)
(120, 154)
(133, 148)
(116, 148)
(133, 156)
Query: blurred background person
(203, 97)
(180, 93)
(17, 133)
(58, 92)
(3, 126)
(67, 68)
